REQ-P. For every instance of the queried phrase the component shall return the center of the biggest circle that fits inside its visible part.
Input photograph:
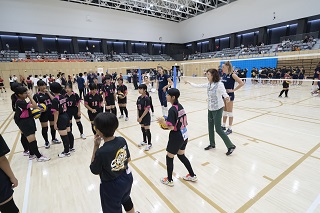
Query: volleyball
(36, 113)
(121, 95)
(163, 126)
(42, 106)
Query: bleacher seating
(9, 55)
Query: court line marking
(27, 189)
(6, 126)
(155, 189)
(314, 205)
(14, 147)
(266, 177)
(204, 164)
(277, 180)
(190, 186)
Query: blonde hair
(229, 65)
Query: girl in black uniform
(8, 181)
(110, 162)
(23, 139)
(122, 99)
(45, 97)
(109, 96)
(178, 137)
(61, 120)
(24, 120)
(93, 102)
(143, 116)
(285, 85)
(73, 108)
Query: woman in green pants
(216, 91)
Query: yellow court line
(259, 140)
(273, 183)
(5, 122)
(155, 189)
(190, 186)
(13, 147)
(266, 177)
(245, 144)
(204, 164)
(291, 118)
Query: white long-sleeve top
(215, 93)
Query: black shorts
(27, 126)
(232, 96)
(73, 112)
(162, 98)
(122, 101)
(115, 193)
(146, 120)
(46, 116)
(110, 101)
(1, 85)
(63, 121)
(9, 207)
(92, 116)
(285, 85)
(176, 142)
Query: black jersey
(143, 103)
(93, 101)
(122, 88)
(42, 98)
(59, 103)
(72, 100)
(177, 117)
(22, 110)
(14, 99)
(111, 159)
(108, 90)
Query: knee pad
(230, 115)
(128, 205)
(225, 113)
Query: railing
(300, 37)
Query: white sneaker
(56, 141)
(63, 154)
(47, 145)
(142, 143)
(188, 177)
(148, 147)
(126, 119)
(43, 158)
(31, 157)
(83, 136)
(72, 150)
(121, 116)
(26, 153)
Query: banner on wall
(251, 63)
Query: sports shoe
(165, 181)
(63, 154)
(209, 147)
(31, 157)
(142, 143)
(228, 132)
(148, 147)
(43, 158)
(188, 177)
(56, 141)
(127, 118)
(72, 150)
(153, 114)
(25, 153)
(121, 116)
(223, 128)
(83, 136)
(230, 150)
(47, 145)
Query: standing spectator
(135, 80)
(81, 85)
(35, 83)
(2, 85)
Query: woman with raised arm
(215, 91)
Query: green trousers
(214, 121)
